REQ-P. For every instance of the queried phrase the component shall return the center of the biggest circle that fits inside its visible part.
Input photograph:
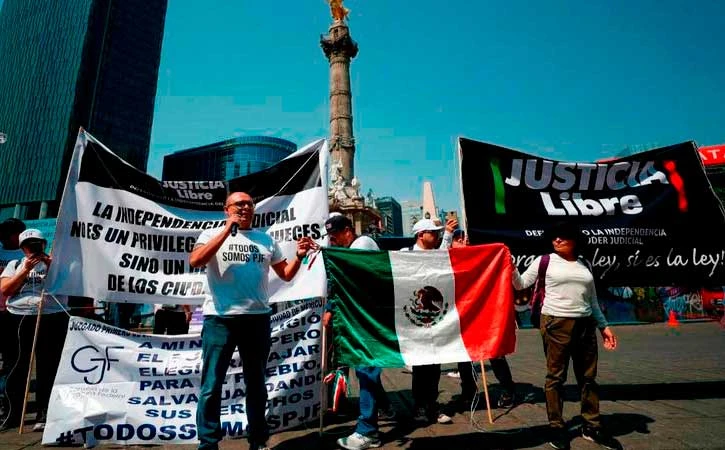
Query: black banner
(649, 219)
(287, 177)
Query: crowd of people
(237, 312)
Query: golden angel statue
(338, 11)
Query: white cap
(30, 233)
(426, 225)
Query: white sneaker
(357, 441)
(444, 418)
(455, 374)
(39, 426)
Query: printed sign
(123, 235)
(116, 386)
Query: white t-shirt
(237, 274)
(569, 285)
(364, 243)
(5, 257)
(26, 301)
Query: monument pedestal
(362, 216)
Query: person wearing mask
(426, 378)
(22, 282)
(570, 317)
(373, 398)
(237, 314)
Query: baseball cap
(30, 233)
(337, 223)
(426, 225)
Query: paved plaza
(662, 389)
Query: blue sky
(563, 79)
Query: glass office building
(226, 159)
(392, 214)
(70, 64)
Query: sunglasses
(241, 204)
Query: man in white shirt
(426, 378)
(372, 394)
(237, 314)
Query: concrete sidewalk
(660, 390)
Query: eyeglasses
(241, 204)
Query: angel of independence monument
(344, 189)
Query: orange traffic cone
(672, 321)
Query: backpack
(537, 297)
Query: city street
(662, 389)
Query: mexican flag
(393, 309)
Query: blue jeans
(220, 336)
(371, 394)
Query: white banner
(123, 235)
(121, 387)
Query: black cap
(459, 233)
(337, 223)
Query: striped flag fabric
(393, 309)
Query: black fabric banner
(650, 219)
(287, 177)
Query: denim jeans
(220, 336)
(371, 394)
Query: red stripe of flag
(485, 299)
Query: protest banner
(648, 219)
(123, 235)
(117, 386)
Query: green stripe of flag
(364, 315)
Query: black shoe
(258, 446)
(598, 436)
(387, 414)
(559, 440)
(506, 400)
(40, 421)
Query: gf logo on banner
(86, 360)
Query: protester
(500, 366)
(10, 231)
(372, 394)
(426, 378)
(237, 314)
(172, 319)
(570, 316)
(22, 282)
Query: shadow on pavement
(526, 437)
(617, 424)
(527, 393)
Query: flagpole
(323, 386)
(485, 392)
(32, 360)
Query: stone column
(340, 49)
